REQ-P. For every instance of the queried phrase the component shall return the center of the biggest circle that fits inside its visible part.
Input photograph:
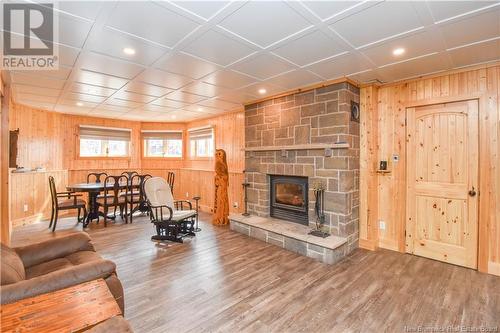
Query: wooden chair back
(129, 174)
(97, 176)
(171, 180)
(53, 190)
(113, 185)
(137, 182)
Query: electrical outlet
(235, 204)
(381, 225)
(187, 194)
(25, 208)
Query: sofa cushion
(71, 260)
(12, 266)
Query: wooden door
(442, 182)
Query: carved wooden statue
(221, 204)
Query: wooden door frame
(482, 227)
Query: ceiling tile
(366, 77)
(99, 79)
(63, 108)
(156, 108)
(155, 23)
(112, 43)
(253, 89)
(200, 108)
(204, 89)
(415, 45)
(37, 98)
(123, 103)
(91, 90)
(84, 97)
(146, 89)
(442, 10)
(107, 114)
(263, 66)
(162, 78)
(327, 9)
(73, 31)
(367, 26)
(265, 22)
(34, 80)
(237, 97)
(310, 48)
(340, 66)
(184, 64)
(67, 55)
(218, 48)
(36, 90)
(130, 96)
(72, 103)
(169, 103)
(295, 79)
(219, 104)
(85, 9)
(229, 79)
(471, 28)
(412, 68)
(114, 108)
(39, 105)
(204, 9)
(110, 66)
(184, 97)
(477, 53)
(62, 73)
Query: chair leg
(78, 218)
(51, 217)
(55, 220)
(84, 216)
(105, 216)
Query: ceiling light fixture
(200, 109)
(262, 91)
(79, 104)
(399, 51)
(173, 116)
(129, 51)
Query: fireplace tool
(319, 209)
(245, 186)
(197, 199)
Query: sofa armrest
(57, 280)
(55, 248)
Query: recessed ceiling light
(262, 91)
(399, 51)
(79, 104)
(173, 116)
(200, 109)
(129, 51)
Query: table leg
(93, 210)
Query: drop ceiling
(195, 59)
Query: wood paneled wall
(50, 140)
(383, 134)
(5, 224)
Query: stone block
(334, 119)
(258, 233)
(334, 256)
(316, 248)
(341, 163)
(296, 246)
(338, 202)
(241, 228)
(334, 95)
(312, 110)
(302, 135)
(290, 117)
(332, 107)
(254, 120)
(280, 133)
(346, 181)
(268, 138)
(331, 87)
(304, 98)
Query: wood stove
(289, 198)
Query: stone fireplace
(308, 135)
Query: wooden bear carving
(221, 204)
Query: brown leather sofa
(52, 265)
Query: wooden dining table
(93, 190)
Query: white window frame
(165, 137)
(195, 139)
(99, 133)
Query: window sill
(163, 158)
(201, 158)
(104, 157)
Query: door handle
(472, 192)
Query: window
(201, 142)
(162, 143)
(104, 141)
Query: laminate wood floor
(222, 281)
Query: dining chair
(136, 194)
(72, 202)
(129, 174)
(113, 187)
(97, 176)
(171, 180)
